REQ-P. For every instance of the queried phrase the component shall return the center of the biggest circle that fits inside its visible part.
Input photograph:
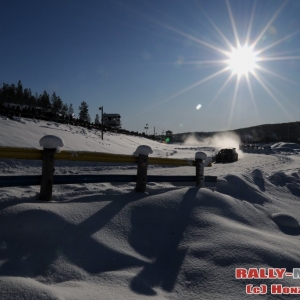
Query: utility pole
(101, 108)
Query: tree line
(17, 95)
(15, 101)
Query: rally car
(227, 155)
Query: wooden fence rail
(140, 157)
(24, 180)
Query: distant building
(169, 133)
(112, 120)
(169, 136)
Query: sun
(242, 60)
(240, 56)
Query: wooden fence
(141, 159)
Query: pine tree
(84, 112)
(71, 110)
(65, 109)
(56, 104)
(26, 96)
(31, 99)
(36, 98)
(44, 101)
(97, 121)
(19, 93)
(11, 93)
(5, 92)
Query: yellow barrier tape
(21, 153)
(95, 157)
(35, 154)
(170, 161)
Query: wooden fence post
(51, 145)
(200, 163)
(142, 153)
(47, 174)
(141, 180)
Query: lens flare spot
(179, 62)
(273, 30)
(198, 106)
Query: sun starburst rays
(245, 61)
(260, 68)
(233, 102)
(269, 23)
(233, 24)
(269, 92)
(224, 85)
(285, 38)
(252, 98)
(247, 40)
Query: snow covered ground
(105, 241)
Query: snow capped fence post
(51, 144)
(142, 153)
(200, 158)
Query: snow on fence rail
(51, 152)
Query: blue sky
(154, 61)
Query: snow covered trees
(56, 104)
(15, 95)
(16, 99)
(84, 112)
(44, 101)
(97, 121)
(70, 110)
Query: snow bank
(105, 241)
(286, 148)
(111, 242)
(292, 146)
(285, 220)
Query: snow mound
(143, 150)
(283, 150)
(12, 288)
(161, 244)
(51, 142)
(258, 179)
(290, 180)
(241, 188)
(18, 119)
(282, 178)
(200, 155)
(281, 145)
(286, 148)
(257, 174)
(285, 220)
